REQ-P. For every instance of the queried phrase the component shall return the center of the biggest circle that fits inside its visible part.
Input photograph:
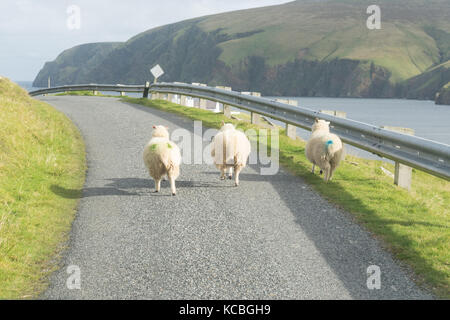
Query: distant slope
(74, 65)
(306, 47)
(443, 96)
(427, 84)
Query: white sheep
(230, 150)
(162, 157)
(324, 149)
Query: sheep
(162, 157)
(230, 150)
(324, 149)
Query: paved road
(271, 238)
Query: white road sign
(157, 71)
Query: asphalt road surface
(272, 237)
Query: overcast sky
(35, 31)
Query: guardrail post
(95, 92)
(339, 114)
(203, 103)
(291, 130)
(146, 89)
(227, 111)
(122, 93)
(170, 97)
(255, 118)
(403, 174)
(226, 108)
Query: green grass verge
(39, 148)
(413, 225)
(84, 93)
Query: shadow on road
(89, 192)
(127, 187)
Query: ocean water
(429, 121)
(27, 85)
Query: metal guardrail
(426, 155)
(89, 87)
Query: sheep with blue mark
(162, 157)
(324, 149)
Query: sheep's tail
(169, 166)
(224, 145)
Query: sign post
(146, 89)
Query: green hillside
(325, 30)
(73, 65)
(305, 47)
(427, 84)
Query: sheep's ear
(167, 127)
(154, 127)
(316, 120)
(328, 122)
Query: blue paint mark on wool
(328, 144)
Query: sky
(33, 32)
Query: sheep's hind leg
(332, 169)
(327, 171)
(331, 174)
(172, 185)
(157, 185)
(230, 173)
(237, 171)
(222, 173)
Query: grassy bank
(414, 225)
(83, 93)
(39, 147)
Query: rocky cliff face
(443, 96)
(74, 65)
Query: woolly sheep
(324, 149)
(162, 157)
(230, 150)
